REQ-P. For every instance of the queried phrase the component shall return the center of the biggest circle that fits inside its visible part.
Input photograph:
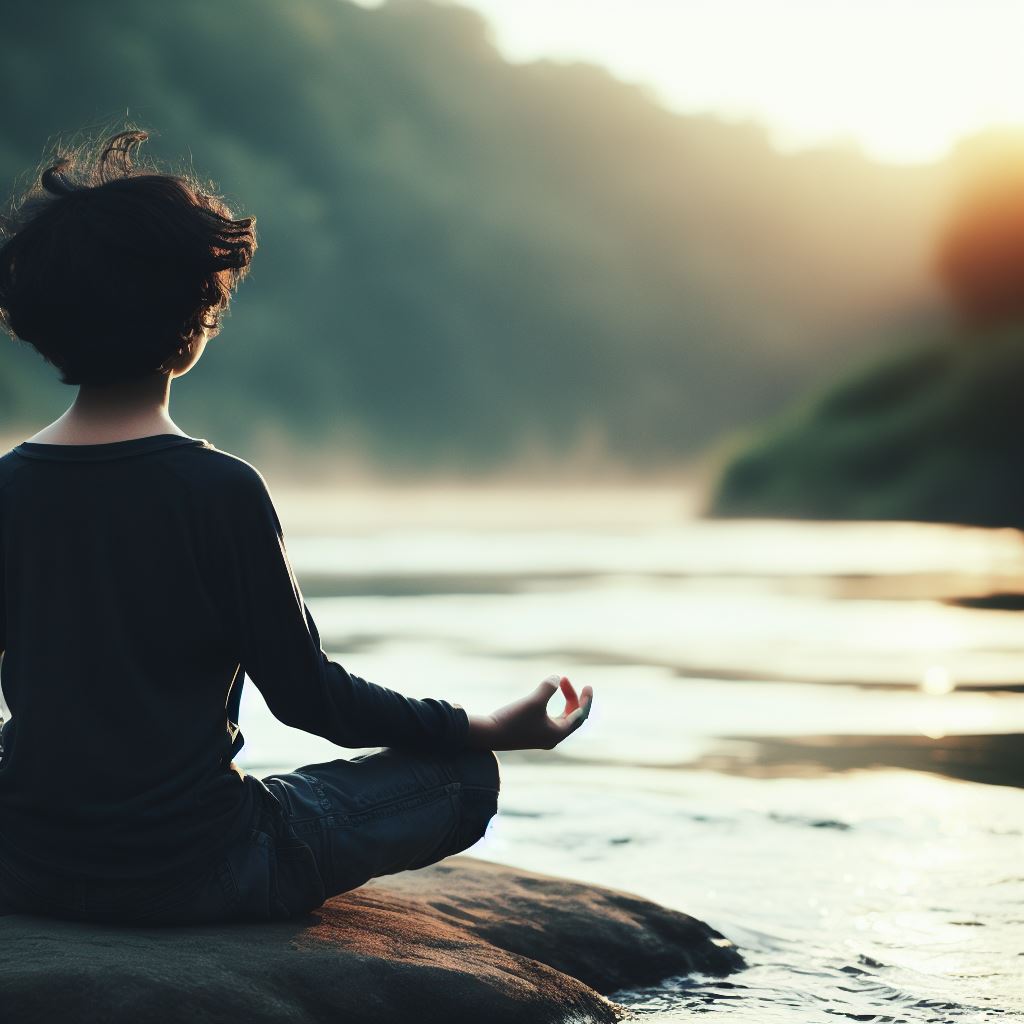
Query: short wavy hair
(109, 269)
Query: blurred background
(673, 345)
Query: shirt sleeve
(280, 650)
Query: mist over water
(808, 735)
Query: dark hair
(109, 269)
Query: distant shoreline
(311, 509)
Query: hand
(525, 724)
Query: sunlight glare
(902, 79)
(937, 681)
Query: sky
(900, 79)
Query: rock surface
(462, 940)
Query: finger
(568, 691)
(579, 716)
(566, 726)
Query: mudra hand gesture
(525, 723)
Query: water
(800, 734)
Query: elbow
(294, 719)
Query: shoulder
(219, 471)
(9, 466)
(232, 469)
(223, 479)
(230, 495)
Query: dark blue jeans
(320, 830)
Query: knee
(480, 776)
(479, 769)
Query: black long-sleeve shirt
(140, 582)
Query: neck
(112, 412)
(103, 403)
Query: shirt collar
(108, 450)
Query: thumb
(545, 688)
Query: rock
(462, 940)
(604, 937)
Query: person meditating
(144, 574)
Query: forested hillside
(932, 430)
(462, 261)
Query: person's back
(144, 575)
(122, 664)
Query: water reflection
(995, 759)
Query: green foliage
(930, 434)
(459, 258)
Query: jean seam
(384, 809)
(421, 798)
(318, 788)
(310, 826)
(389, 808)
(324, 799)
(408, 801)
(481, 789)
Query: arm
(280, 650)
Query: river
(807, 734)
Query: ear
(183, 358)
